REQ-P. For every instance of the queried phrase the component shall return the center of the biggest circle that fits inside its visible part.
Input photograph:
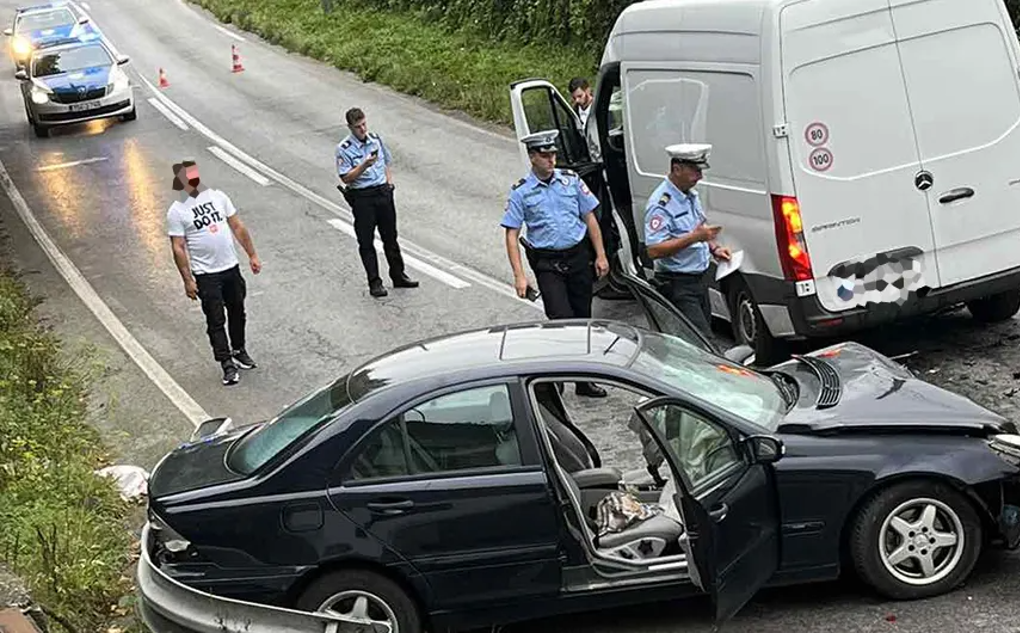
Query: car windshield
(727, 386)
(45, 20)
(260, 445)
(67, 60)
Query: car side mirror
(742, 354)
(21, 74)
(765, 449)
(123, 60)
(8, 32)
(83, 20)
(212, 427)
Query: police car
(39, 24)
(71, 81)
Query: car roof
(502, 349)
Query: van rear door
(960, 65)
(854, 154)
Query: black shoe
(404, 283)
(589, 390)
(230, 373)
(244, 360)
(377, 290)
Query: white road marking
(65, 165)
(191, 409)
(414, 263)
(410, 249)
(240, 166)
(172, 117)
(229, 33)
(86, 6)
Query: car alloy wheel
(915, 539)
(746, 320)
(362, 608)
(921, 541)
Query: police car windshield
(727, 386)
(45, 20)
(314, 410)
(67, 60)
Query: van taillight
(793, 253)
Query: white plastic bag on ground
(132, 482)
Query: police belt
(553, 254)
(681, 275)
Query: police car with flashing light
(71, 81)
(39, 24)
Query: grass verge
(63, 529)
(460, 70)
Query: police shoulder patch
(656, 222)
(519, 183)
(664, 200)
(346, 143)
(568, 172)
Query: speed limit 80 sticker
(820, 159)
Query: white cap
(541, 141)
(693, 153)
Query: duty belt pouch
(346, 193)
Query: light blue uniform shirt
(351, 152)
(670, 214)
(553, 213)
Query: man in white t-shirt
(202, 229)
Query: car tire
(41, 130)
(875, 540)
(385, 599)
(749, 327)
(996, 308)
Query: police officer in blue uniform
(363, 164)
(564, 242)
(679, 238)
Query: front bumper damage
(1007, 447)
(168, 606)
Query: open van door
(725, 490)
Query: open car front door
(725, 490)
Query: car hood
(852, 387)
(82, 80)
(196, 465)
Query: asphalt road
(101, 192)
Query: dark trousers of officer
(689, 293)
(373, 207)
(222, 295)
(566, 279)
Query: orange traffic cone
(237, 59)
(163, 82)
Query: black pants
(566, 279)
(689, 293)
(373, 206)
(219, 292)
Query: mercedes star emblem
(924, 181)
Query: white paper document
(727, 267)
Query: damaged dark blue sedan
(445, 485)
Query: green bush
(62, 528)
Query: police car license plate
(86, 106)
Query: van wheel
(997, 308)
(364, 598)
(749, 328)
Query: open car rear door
(725, 490)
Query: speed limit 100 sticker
(816, 134)
(820, 159)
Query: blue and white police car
(71, 81)
(39, 24)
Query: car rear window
(55, 62)
(259, 446)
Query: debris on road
(132, 482)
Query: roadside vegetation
(63, 530)
(457, 54)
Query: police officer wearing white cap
(679, 238)
(564, 243)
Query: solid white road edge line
(229, 33)
(414, 263)
(172, 117)
(409, 248)
(173, 391)
(75, 163)
(240, 166)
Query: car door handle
(391, 507)
(956, 194)
(719, 513)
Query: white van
(855, 142)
